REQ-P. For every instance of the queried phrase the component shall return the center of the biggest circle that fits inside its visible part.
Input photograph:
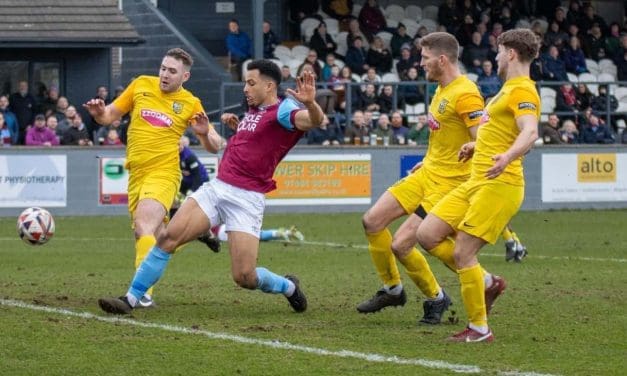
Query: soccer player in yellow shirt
(478, 210)
(161, 109)
(454, 116)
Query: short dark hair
(266, 68)
(182, 55)
(523, 41)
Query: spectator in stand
(77, 133)
(239, 46)
(474, 53)
(559, 17)
(53, 124)
(353, 32)
(416, 49)
(448, 16)
(270, 40)
(369, 119)
(620, 53)
(488, 81)
(468, 7)
(92, 125)
(326, 134)
(507, 19)
(379, 57)
(103, 132)
(49, 104)
(596, 132)
(357, 130)
(356, 57)
(405, 62)
(39, 134)
(400, 131)
(113, 138)
(583, 97)
(589, 19)
(66, 123)
(574, 59)
(621, 67)
(574, 12)
(322, 42)
(328, 67)
(5, 134)
(399, 38)
(9, 119)
(419, 132)
(286, 75)
(383, 132)
(371, 77)
(371, 19)
(368, 99)
(553, 66)
(299, 10)
(465, 30)
(411, 94)
(62, 105)
(346, 77)
(566, 101)
(612, 42)
(334, 80)
(325, 97)
(311, 60)
(22, 104)
(594, 43)
(549, 132)
(338, 9)
(569, 133)
(556, 37)
(385, 100)
(605, 103)
(492, 49)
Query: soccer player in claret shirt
(161, 109)
(478, 210)
(454, 117)
(263, 137)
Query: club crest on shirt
(442, 106)
(177, 107)
(434, 125)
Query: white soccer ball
(35, 226)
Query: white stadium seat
(572, 77)
(547, 92)
(414, 12)
(390, 77)
(386, 36)
(430, 12)
(592, 66)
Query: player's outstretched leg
(289, 286)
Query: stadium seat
(390, 77)
(394, 12)
(589, 77)
(606, 77)
(592, 66)
(543, 23)
(391, 23)
(621, 94)
(548, 104)
(572, 77)
(340, 63)
(356, 77)
(341, 43)
(410, 25)
(283, 53)
(244, 66)
(430, 12)
(333, 26)
(307, 27)
(414, 12)
(547, 92)
(299, 52)
(294, 64)
(430, 24)
(523, 24)
(394, 62)
(356, 10)
(386, 36)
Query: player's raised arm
(306, 94)
(101, 113)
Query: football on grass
(35, 226)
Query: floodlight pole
(257, 7)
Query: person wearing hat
(399, 38)
(405, 62)
(39, 135)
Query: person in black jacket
(322, 42)
(23, 105)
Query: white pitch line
(369, 357)
(361, 246)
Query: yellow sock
(419, 271)
(142, 247)
(380, 247)
(507, 234)
(444, 251)
(515, 237)
(472, 287)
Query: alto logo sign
(596, 168)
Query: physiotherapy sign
(33, 180)
(599, 177)
(322, 179)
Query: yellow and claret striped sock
(419, 271)
(472, 287)
(444, 251)
(380, 247)
(143, 245)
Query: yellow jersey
(498, 131)
(157, 122)
(453, 109)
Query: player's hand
(200, 123)
(231, 120)
(500, 162)
(95, 107)
(305, 88)
(466, 151)
(416, 167)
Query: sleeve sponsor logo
(475, 114)
(526, 106)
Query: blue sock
(149, 272)
(266, 235)
(270, 282)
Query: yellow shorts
(422, 188)
(156, 184)
(481, 209)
